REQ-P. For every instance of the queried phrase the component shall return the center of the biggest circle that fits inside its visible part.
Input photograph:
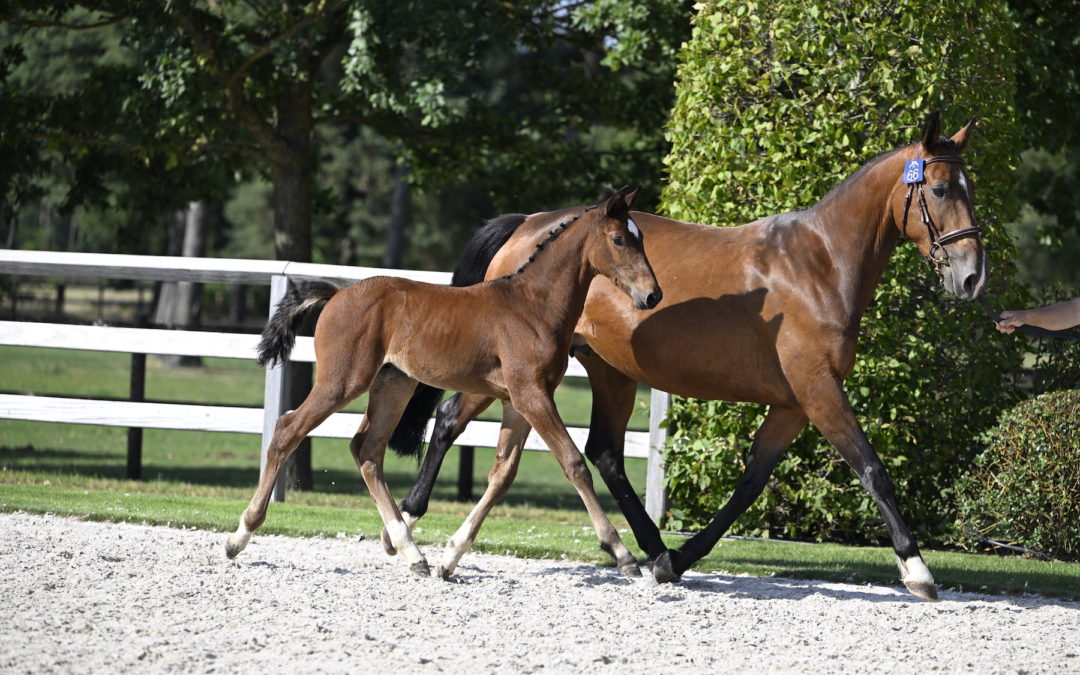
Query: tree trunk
(292, 175)
(178, 304)
(400, 212)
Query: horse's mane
(552, 236)
(843, 186)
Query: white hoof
(917, 578)
(237, 542)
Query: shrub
(776, 102)
(1025, 488)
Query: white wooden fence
(276, 274)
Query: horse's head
(617, 251)
(940, 219)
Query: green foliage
(1025, 488)
(776, 103)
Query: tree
(518, 97)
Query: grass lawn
(198, 479)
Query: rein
(915, 178)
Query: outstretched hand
(1010, 320)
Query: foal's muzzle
(649, 301)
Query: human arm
(1053, 317)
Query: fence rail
(276, 274)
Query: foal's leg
(830, 411)
(454, 414)
(612, 405)
(389, 395)
(507, 456)
(780, 427)
(539, 409)
(325, 398)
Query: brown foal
(507, 339)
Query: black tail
(408, 437)
(279, 336)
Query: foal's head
(616, 251)
(935, 209)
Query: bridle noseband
(937, 240)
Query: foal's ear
(931, 132)
(619, 203)
(960, 138)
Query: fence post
(466, 459)
(275, 392)
(135, 434)
(655, 494)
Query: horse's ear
(631, 196)
(931, 132)
(960, 138)
(619, 203)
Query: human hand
(1009, 320)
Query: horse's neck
(553, 287)
(860, 231)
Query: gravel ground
(80, 597)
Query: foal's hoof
(235, 544)
(663, 569)
(926, 591)
(631, 569)
(443, 572)
(420, 569)
(387, 545)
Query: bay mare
(507, 339)
(767, 312)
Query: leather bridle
(937, 240)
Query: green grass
(196, 479)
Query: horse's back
(735, 305)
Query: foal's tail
(279, 336)
(408, 437)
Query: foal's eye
(939, 191)
(618, 240)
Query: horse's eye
(939, 191)
(618, 240)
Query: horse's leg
(507, 456)
(613, 396)
(453, 415)
(830, 411)
(292, 427)
(389, 395)
(780, 427)
(539, 409)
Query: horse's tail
(279, 336)
(408, 438)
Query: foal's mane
(552, 236)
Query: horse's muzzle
(649, 301)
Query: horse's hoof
(663, 569)
(631, 569)
(387, 545)
(926, 591)
(420, 569)
(442, 572)
(917, 578)
(235, 544)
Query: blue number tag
(913, 171)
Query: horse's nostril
(969, 284)
(653, 300)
